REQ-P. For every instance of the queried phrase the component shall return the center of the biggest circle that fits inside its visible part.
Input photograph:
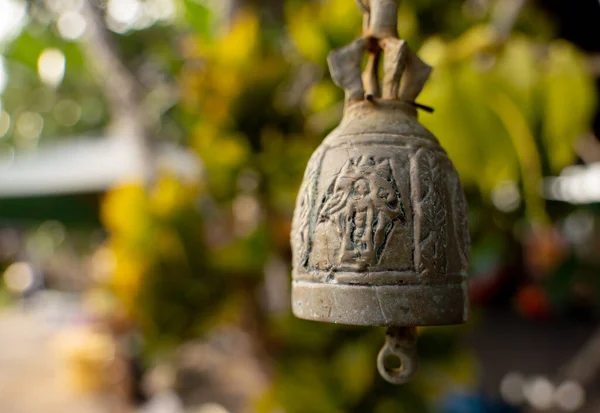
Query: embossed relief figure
(361, 207)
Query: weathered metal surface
(380, 233)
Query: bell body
(380, 232)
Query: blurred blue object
(476, 402)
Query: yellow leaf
(473, 41)
(240, 44)
(169, 195)
(321, 96)
(232, 152)
(123, 209)
(569, 102)
(353, 364)
(341, 18)
(518, 70)
(308, 37)
(529, 160)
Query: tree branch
(121, 89)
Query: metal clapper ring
(400, 343)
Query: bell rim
(382, 305)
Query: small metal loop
(363, 6)
(400, 343)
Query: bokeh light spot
(19, 277)
(29, 127)
(506, 196)
(4, 123)
(539, 393)
(67, 112)
(51, 67)
(71, 25)
(12, 15)
(511, 388)
(569, 396)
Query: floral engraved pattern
(302, 214)
(430, 203)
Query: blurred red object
(545, 248)
(532, 302)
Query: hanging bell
(380, 234)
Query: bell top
(381, 117)
(405, 74)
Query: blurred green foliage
(255, 99)
(509, 114)
(26, 92)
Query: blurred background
(150, 156)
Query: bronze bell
(380, 234)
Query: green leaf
(199, 17)
(353, 364)
(569, 102)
